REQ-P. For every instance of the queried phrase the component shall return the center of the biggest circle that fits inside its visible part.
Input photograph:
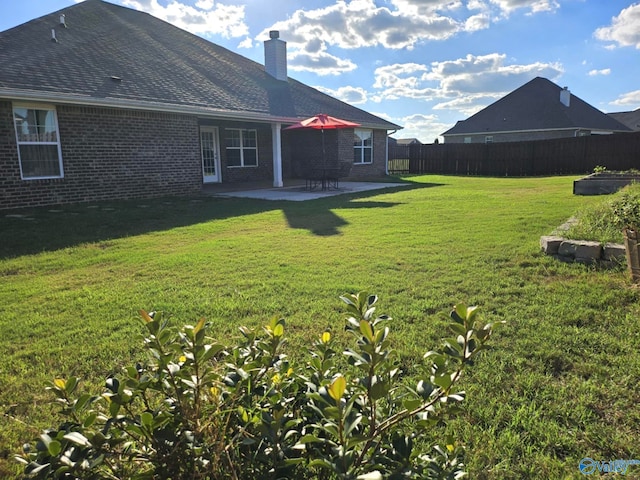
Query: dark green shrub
(197, 409)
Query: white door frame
(207, 175)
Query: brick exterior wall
(302, 148)
(107, 154)
(110, 154)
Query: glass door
(210, 147)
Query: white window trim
(242, 148)
(362, 148)
(488, 139)
(38, 106)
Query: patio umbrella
(323, 122)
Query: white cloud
(425, 128)
(470, 104)
(501, 7)
(425, 7)
(205, 4)
(206, 18)
(360, 23)
(319, 62)
(319, 34)
(351, 95)
(534, 6)
(624, 29)
(246, 43)
(631, 99)
(604, 71)
(465, 84)
(474, 23)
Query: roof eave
(201, 111)
(58, 98)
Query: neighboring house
(630, 119)
(538, 110)
(408, 141)
(99, 101)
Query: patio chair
(335, 174)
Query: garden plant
(197, 409)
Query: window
(38, 141)
(362, 146)
(488, 139)
(467, 139)
(242, 147)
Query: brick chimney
(565, 96)
(275, 56)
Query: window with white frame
(488, 139)
(242, 147)
(362, 146)
(467, 139)
(39, 150)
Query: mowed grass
(558, 384)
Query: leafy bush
(197, 409)
(605, 221)
(626, 208)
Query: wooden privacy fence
(542, 157)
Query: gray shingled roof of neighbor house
(630, 119)
(110, 55)
(536, 106)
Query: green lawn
(559, 384)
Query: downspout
(386, 155)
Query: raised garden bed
(603, 183)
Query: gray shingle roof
(630, 119)
(158, 65)
(536, 106)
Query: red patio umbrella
(323, 122)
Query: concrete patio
(294, 191)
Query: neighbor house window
(488, 139)
(242, 147)
(38, 141)
(467, 139)
(362, 146)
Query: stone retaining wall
(582, 251)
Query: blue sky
(423, 64)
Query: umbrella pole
(324, 161)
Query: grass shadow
(31, 231)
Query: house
(99, 101)
(538, 110)
(630, 119)
(405, 141)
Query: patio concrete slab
(300, 194)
